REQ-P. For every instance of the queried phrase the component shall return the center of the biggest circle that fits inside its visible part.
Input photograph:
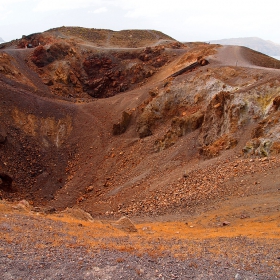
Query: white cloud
(182, 19)
(4, 13)
(146, 8)
(100, 10)
(7, 3)
(51, 5)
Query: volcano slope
(96, 119)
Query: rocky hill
(1, 40)
(264, 46)
(135, 123)
(88, 124)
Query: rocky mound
(123, 39)
(72, 64)
(260, 59)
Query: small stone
(90, 188)
(50, 210)
(217, 105)
(226, 223)
(22, 205)
(146, 228)
(238, 277)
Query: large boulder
(125, 224)
(78, 213)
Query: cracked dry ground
(234, 238)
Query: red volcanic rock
(40, 57)
(97, 64)
(43, 56)
(109, 74)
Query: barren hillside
(134, 123)
(254, 43)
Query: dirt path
(231, 56)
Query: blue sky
(184, 20)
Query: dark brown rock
(6, 182)
(122, 126)
(276, 102)
(144, 131)
(3, 135)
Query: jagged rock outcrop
(99, 75)
(187, 123)
(180, 126)
(44, 55)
